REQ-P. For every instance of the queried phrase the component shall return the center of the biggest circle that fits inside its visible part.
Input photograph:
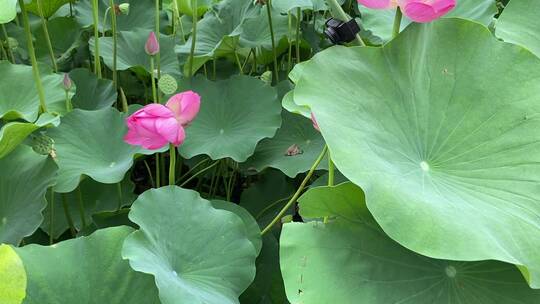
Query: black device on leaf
(340, 32)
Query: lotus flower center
(424, 166)
(450, 271)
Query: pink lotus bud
(152, 46)
(67, 82)
(314, 121)
(185, 106)
(154, 127)
(426, 10)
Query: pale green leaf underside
(443, 141)
(197, 254)
(519, 23)
(12, 278)
(351, 260)
(8, 10)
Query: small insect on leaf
(293, 150)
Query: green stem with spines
(51, 217)
(172, 164)
(338, 13)
(193, 38)
(120, 196)
(297, 193)
(158, 36)
(297, 42)
(397, 22)
(153, 80)
(9, 51)
(68, 215)
(115, 44)
(32, 53)
(82, 212)
(97, 59)
(47, 36)
(199, 173)
(272, 36)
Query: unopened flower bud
(67, 82)
(152, 46)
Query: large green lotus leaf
(351, 260)
(85, 270)
(92, 93)
(18, 94)
(380, 22)
(235, 115)
(277, 152)
(218, 32)
(519, 23)
(96, 198)
(256, 30)
(141, 15)
(131, 53)
(252, 228)
(91, 143)
(8, 10)
(14, 133)
(13, 279)
(24, 179)
(443, 141)
(196, 253)
(48, 7)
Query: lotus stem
(297, 193)
(172, 164)
(97, 59)
(397, 22)
(81, 207)
(331, 170)
(199, 173)
(68, 215)
(298, 22)
(51, 217)
(115, 44)
(338, 13)
(47, 36)
(120, 197)
(272, 36)
(9, 51)
(153, 80)
(158, 56)
(32, 53)
(193, 38)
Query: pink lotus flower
(152, 46)
(156, 125)
(185, 106)
(416, 10)
(67, 82)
